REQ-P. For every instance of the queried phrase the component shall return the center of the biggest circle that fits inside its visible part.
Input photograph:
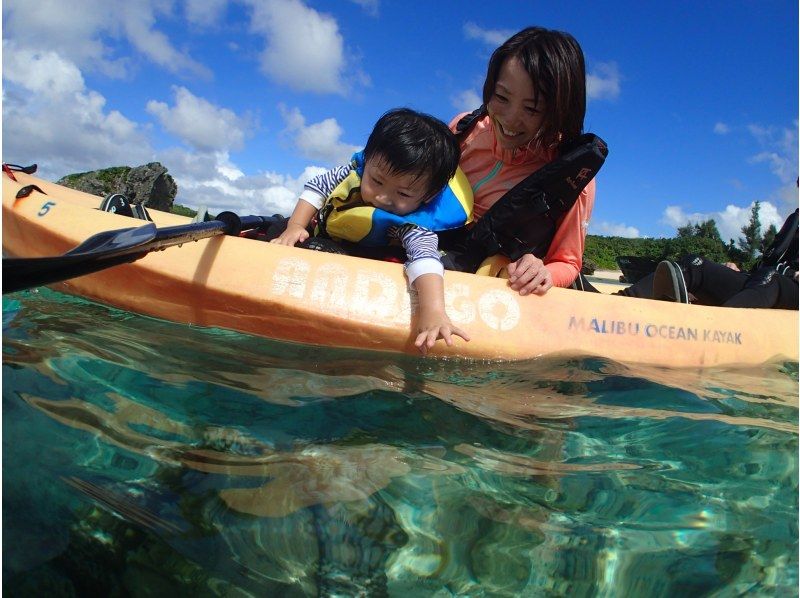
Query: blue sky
(243, 100)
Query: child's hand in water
(433, 322)
(435, 325)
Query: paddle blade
(112, 242)
(101, 251)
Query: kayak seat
(495, 266)
(322, 244)
(117, 203)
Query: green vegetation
(107, 175)
(701, 238)
(183, 210)
(113, 174)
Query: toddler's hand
(433, 327)
(293, 235)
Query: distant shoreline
(609, 275)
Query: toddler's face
(396, 193)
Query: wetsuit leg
(765, 288)
(709, 282)
(642, 288)
(788, 297)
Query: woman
(534, 100)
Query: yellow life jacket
(346, 216)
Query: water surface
(145, 458)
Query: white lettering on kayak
(648, 330)
(290, 277)
(330, 288)
(369, 295)
(456, 301)
(499, 309)
(375, 295)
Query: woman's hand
(529, 275)
(293, 235)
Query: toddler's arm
(314, 194)
(433, 322)
(426, 273)
(296, 229)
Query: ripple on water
(174, 458)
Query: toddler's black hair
(411, 142)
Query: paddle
(115, 247)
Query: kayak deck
(298, 295)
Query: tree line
(700, 238)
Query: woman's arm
(564, 259)
(565, 256)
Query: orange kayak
(304, 296)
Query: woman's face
(512, 108)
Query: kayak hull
(304, 296)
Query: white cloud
(371, 7)
(200, 123)
(778, 147)
(779, 150)
(304, 48)
(491, 37)
(603, 83)
(212, 180)
(87, 32)
(466, 100)
(204, 13)
(317, 141)
(137, 21)
(613, 229)
(721, 128)
(71, 29)
(51, 118)
(729, 221)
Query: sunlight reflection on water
(204, 461)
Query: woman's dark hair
(410, 142)
(554, 61)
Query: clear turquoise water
(142, 458)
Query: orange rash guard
(492, 171)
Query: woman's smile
(515, 108)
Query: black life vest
(783, 249)
(524, 219)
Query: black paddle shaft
(112, 248)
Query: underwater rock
(316, 475)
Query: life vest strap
(524, 219)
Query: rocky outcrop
(149, 184)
